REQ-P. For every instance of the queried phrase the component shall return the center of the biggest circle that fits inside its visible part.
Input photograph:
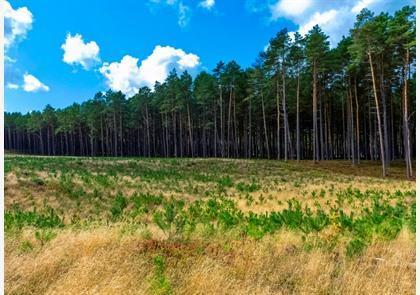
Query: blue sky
(60, 52)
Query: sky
(61, 52)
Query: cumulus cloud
(324, 20)
(289, 7)
(361, 4)
(32, 84)
(17, 22)
(335, 18)
(163, 58)
(123, 76)
(207, 4)
(126, 76)
(77, 52)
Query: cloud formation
(77, 52)
(183, 10)
(17, 22)
(32, 84)
(289, 7)
(183, 15)
(335, 18)
(207, 4)
(12, 86)
(126, 76)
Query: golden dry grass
(103, 257)
(101, 261)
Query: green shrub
(355, 247)
(160, 283)
(118, 205)
(248, 188)
(44, 236)
(17, 219)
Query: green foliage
(248, 188)
(171, 219)
(224, 182)
(355, 247)
(26, 246)
(17, 219)
(144, 203)
(160, 284)
(44, 236)
(412, 218)
(118, 205)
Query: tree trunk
(115, 135)
(190, 130)
(351, 125)
(278, 115)
(147, 130)
(314, 114)
(406, 131)
(285, 120)
(356, 99)
(265, 126)
(378, 115)
(222, 146)
(297, 120)
(229, 115)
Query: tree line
(301, 99)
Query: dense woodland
(301, 99)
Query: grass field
(207, 226)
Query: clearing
(207, 226)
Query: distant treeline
(300, 100)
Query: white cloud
(17, 22)
(163, 58)
(183, 15)
(361, 4)
(335, 18)
(8, 59)
(32, 84)
(324, 20)
(169, 2)
(12, 86)
(76, 51)
(123, 76)
(289, 7)
(207, 4)
(126, 76)
(183, 10)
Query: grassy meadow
(207, 226)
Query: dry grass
(99, 256)
(101, 261)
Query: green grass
(180, 196)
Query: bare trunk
(148, 131)
(351, 125)
(190, 130)
(314, 114)
(297, 120)
(229, 115)
(285, 123)
(406, 131)
(378, 115)
(356, 100)
(278, 116)
(222, 146)
(265, 126)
